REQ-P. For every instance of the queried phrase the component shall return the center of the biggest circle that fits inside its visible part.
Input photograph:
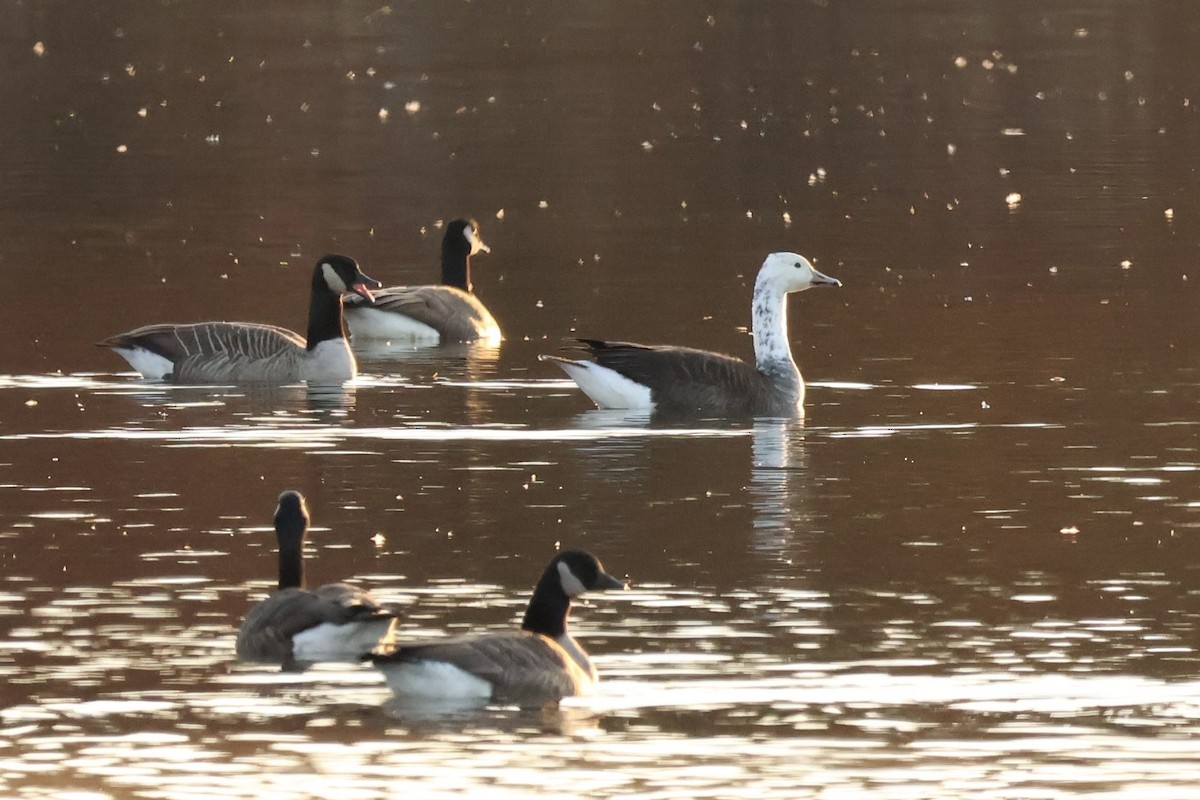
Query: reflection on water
(779, 481)
(473, 361)
(151, 702)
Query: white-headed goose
(538, 664)
(434, 314)
(249, 352)
(335, 622)
(683, 380)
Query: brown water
(971, 571)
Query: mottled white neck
(772, 352)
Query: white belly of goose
(435, 681)
(371, 323)
(330, 360)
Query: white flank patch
(331, 361)
(329, 642)
(570, 584)
(151, 365)
(372, 323)
(333, 280)
(607, 388)
(434, 680)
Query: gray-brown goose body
(682, 380)
(334, 622)
(434, 314)
(249, 352)
(540, 663)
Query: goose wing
(457, 315)
(345, 602)
(267, 632)
(685, 378)
(519, 665)
(219, 351)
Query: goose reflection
(779, 483)
(382, 353)
(323, 399)
(463, 366)
(254, 398)
(330, 397)
(433, 718)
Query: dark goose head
(460, 242)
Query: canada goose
(249, 352)
(434, 314)
(538, 664)
(335, 622)
(683, 380)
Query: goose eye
(797, 265)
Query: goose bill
(362, 286)
(606, 581)
(821, 279)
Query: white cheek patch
(570, 584)
(333, 280)
(475, 242)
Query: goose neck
(456, 268)
(325, 320)
(772, 352)
(291, 565)
(548, 609)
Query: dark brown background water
(973, 568)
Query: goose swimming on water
(250, 352)
(434, 314)
(683, 380)
(335, 622)
(538, 664)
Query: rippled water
(971, 570)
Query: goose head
(568, 575)
(791, 272)
(460, 242)
(340, 274)
(462, 238)
(291, 520)
(291, 526)
(580, 572)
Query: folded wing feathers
(344, 602)
(457, 315)
(266, 633)
(683, 377)
(518, 665)
(217, 351)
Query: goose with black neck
(251, 352)
(540, 663)
(444, 313)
